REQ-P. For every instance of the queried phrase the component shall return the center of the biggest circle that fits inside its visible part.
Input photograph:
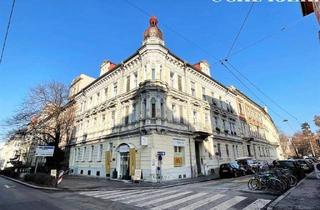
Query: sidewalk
(77, 183)
(306, 195)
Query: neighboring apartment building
(157, 113)
(16, 149)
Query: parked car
(248, 163)
(263, 165)
(306, 165)
(231, 170)
(294, 167)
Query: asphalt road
(215, 194)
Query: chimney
(203, 66)
(106, 66)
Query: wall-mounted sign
(44, 151)
(178, 142)
(124, 148)
(144, 141)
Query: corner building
(155, 104)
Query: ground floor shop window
(178, 156)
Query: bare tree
(287, 146)
(48, 116)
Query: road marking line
(137, 196)
(120, 194)
(93, 193)
(202, 202)
(179, 201)
(227, 204)
(258, 204)
(150, 197)
(112, 193)
(162, 199)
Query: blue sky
(58, 40)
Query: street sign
(53, 173)
(161, 153)
(44, 151)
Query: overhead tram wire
(269, 36)
(240, 30)
(253, 93)
(147, 14)
(7, 30)
(260, 91)
(144, 12)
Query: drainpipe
(191, 168)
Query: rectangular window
(178, 160)
(99, 158)
(128, 83)
(84, 153)
(193, 89)
(204, 97)
(153, 74)
(134, 112)
(75, 155)
(224, 125)
(79, 151)
(113, 118)
(91, 153)
(174, 112)
(180, 83)
(219, 150)
(195, 118)
(98, 98)
(171, 79)
(237, 149)
(181, 114)
(115, 89)
(234, 151)
(227, 149)
(153, 109)
(249, 150)
(106, 93)
(216, 122)
(135, 76)
(126, 117)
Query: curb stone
(281, 197)
(30, 185)
(135, 188)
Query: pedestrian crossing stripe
(227, 204)
(109, 196)
(257, 204)
(151, 197)
(176, 202)
(165, 199)
(202, 202)
(137, 196)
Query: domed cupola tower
(153, 34)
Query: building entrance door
(124, 165)
(198, 160)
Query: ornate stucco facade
(155, 103)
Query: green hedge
(40, 179)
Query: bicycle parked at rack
(276, 180)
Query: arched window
(145, 108)
(161, 108)
(153, 107)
